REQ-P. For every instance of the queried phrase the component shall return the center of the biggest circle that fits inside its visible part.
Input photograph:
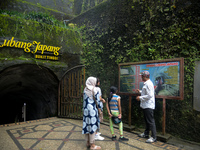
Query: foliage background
(138, 30)
(118, 31)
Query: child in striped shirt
(113, 106)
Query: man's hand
(138, 98)
(137, 91)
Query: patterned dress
(90, 114)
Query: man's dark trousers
(150, 122)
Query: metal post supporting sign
(129, 123)
(164, 116)
(24, 112)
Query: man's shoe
(123, 139)
(151, 140)
(143, 135)
(114, 138)
(98, 137)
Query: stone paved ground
(65, 134)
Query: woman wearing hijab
(90, 112)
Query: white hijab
(90, 87)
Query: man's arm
(149, 93)
(139, 92)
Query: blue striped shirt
(114, 102)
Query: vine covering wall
(37, 79)
(81, 6)
(41, 28)
(120, 31)
(60, 9)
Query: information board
(166, 75)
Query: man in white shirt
(147, 103)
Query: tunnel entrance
(35, 85)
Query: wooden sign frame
(178, 62)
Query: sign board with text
(166, 75)
(39, 50)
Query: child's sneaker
(114, 138)
(98, 133)
(143, 135)
(151, 140)
(98, 137)
(123, 139)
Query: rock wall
(60, 9)
(26, 79)
(120, 31)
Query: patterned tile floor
(65, 134)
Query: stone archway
(35, 85)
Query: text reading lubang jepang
(28, 47)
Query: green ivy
(163, 32)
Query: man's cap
(145, 73)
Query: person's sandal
(88, 145)
(95, 147)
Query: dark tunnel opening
(37, 86)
